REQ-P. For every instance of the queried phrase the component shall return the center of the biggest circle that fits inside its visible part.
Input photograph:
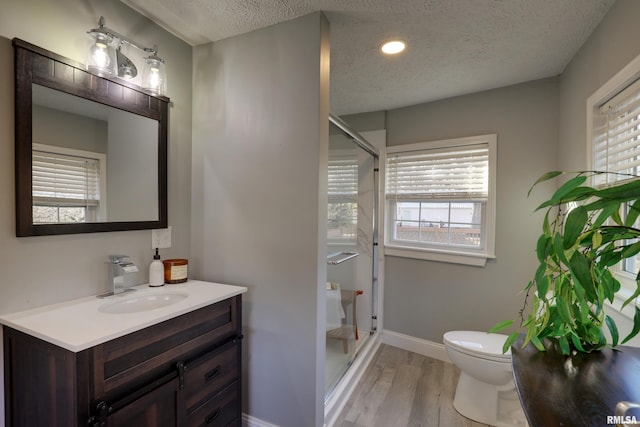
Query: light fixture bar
(102, 28)
(107, 60)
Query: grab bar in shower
(340, 257)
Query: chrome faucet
(119, 266)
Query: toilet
(485, 392)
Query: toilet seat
(479, 344)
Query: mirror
(91, 153)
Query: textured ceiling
(454, 46)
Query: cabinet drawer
(221, 410)
(139, 357)
(209, 374)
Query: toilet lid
(479, 343)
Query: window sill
(465, 258)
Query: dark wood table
(554, 392)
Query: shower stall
(352, 249)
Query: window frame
(626, 77)
(94, 213)
(451, 254)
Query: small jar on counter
(175, 270)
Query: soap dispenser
(156, 271)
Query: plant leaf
(636, 293)
(624, 192)
(509, 341)
(564, 345)
(615, 216)
(500, 326)
(581, 271)
(560, 195)
(558, 248)
(632, 215)
(596, 240)
(546, 230)
(563, 309)
(613, 329)
(542, 282)
(576, 343)
(605, 213)
(610, 285)
(536, 342)
(631, 250)
(574, 225)
(636, 326)
(609, 256)
(543, 247)
(547, 176)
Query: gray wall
(36, 271)
(55, 127)
(612, 45)
(132, 162)
(424, 299)
(260, 136)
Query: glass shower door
(350, 253)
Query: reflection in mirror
(91, 162)
(342, 188)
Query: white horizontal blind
(64, 180)
(343, 179)
(616, 145)
(452, 173)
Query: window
(343, 203)
(66, 185)
(441, 200)
(613, 126)
(616, 146)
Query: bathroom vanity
(154, 357)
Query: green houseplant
(584, 235)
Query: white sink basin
(138, 303)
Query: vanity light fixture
(392, 47)
(106, 59)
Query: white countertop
(78, 324)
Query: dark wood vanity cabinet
(182, 372)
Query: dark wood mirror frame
(34, 65)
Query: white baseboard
(334, 405)
(249, 421)
(417, 345)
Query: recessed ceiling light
(392, 47)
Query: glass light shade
(154, 77)
(102, 55)
(126, 68)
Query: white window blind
(65, 180)
(343, 179)
(451, 173)
(616, 145)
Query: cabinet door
(154, 409)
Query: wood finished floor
(401, 388)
